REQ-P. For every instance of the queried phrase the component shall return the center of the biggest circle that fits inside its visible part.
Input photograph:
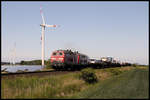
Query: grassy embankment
(133, 84)
(111, 84)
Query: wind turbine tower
(14, 53)
(43, 25)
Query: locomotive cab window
(54, 53)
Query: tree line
(34, 62)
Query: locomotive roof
(70, 51)
(65, 51)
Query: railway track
(38, 74)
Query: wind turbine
(43, 25)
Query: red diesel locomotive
(67, 59)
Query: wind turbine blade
(50, 25)
(42, 15)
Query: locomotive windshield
(60, 53)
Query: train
(69, 60)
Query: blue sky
(97, 29)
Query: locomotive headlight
(53, 58)
(60, 58)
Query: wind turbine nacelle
(42, 25)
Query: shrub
(88, 75)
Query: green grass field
(132, 84)
(120, 82)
